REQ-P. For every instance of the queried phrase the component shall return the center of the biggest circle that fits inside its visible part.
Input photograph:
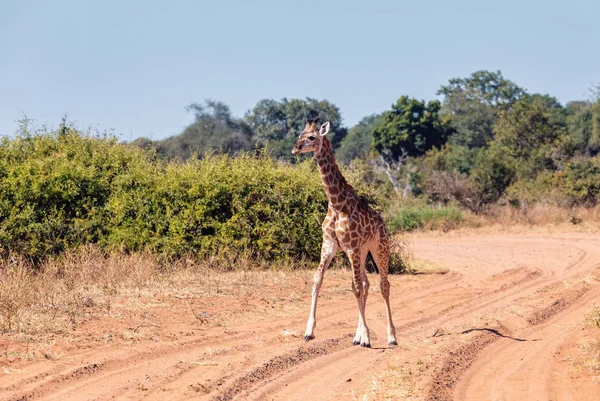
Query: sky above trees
(134, 66)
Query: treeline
(488, 140)
(271, 124)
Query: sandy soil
(506, 322)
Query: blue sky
(133, 66)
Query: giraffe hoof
(308, 338)
(366, 345)
(392, 343)
(355, 342)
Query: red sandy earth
(505, 323)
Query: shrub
(542, 189)
(447, 187)
(222, 205)
(420, 216)
(580, 181)
(450, 158)
(399, 256)
(493, 172)
(54, 188)
(443, 175)
(16, 293)
(62, 190)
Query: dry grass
(593, 348)
(543, 215)
(89, 285)
(594, 318)
(17, 293)
(538, 218)
(60, 292)
(396, 382)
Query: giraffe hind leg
(381, 256)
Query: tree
(144, 143)
(528, 139)
(583, 121)
(214, 129)
(411, 128)
(594, 139)
(493, 173)
(553, 110)
(277, 124)
(473, 104)
(580, 181)
(358, 143)
(579, 123)
(528, 127)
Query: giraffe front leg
(327, 251)
(359, 328)
(360, 288)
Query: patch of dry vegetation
(595, 318)
(17, 294)
(543, 215)
(417, 216)
(393, 383)
(593, 348)
(93, 287)
(61, 292)
(546, 218)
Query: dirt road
(504, 323)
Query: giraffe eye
(311, 138)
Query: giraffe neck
(336, 187)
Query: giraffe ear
(324, 129)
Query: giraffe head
(311, 139)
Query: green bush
(222, 205)
(61, 190)
(542, 189)
(450, 158)
(443, 175)
(420, 216)
(54, 189)
(493, 173)
(580, 181)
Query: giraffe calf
(350, 225)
